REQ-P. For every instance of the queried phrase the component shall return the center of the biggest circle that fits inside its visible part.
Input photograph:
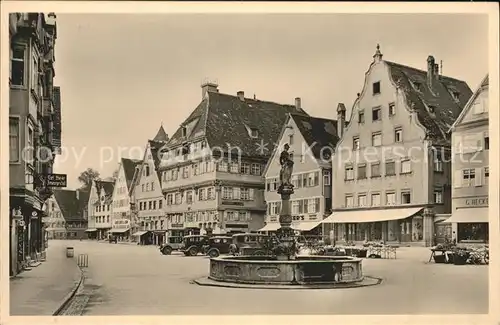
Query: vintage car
(217, 245)
(249, 244)
(112, 239)
(193, 244)
(173, 242)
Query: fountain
(282, 267)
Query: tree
(86, 178)
(115, 174)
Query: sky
(123, 75)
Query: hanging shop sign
(54, 180)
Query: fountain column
(285, 233)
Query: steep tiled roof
(161, 135)
(83, 199)
(129, 169)
(446, 108)
(108, 187)
(71, 207)
(226, 120)
(317, 132)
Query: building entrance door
(443, 232)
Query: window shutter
(317, 205)
(305, 206)
(478, 177)
(457, 178)
(250, 193)
(301, 206)
(316, 178)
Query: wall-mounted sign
(177, 225)
(477, 202)
(54, 180)
(233, 203)
(121, 223)
(298, 218)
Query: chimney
(340, 119)
(241, 95)
(436, 71)
(207, 87)
(298, 105)
(430, 70)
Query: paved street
(137, 280)
(41, 290)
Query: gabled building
(471, 172)
(212, 168)
(67, 214)
(312, 141)
(34, 131)
(99, 208)
(147, 197)
(392, 172)
(121, 217)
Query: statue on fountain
(285, 247)
(285, 186)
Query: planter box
(459, 259)
(440, 258)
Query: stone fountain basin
(302, 270)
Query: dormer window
(184, 131)
(456, 95)
(416, 85)
(254, 133)
(431, 108)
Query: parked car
(193, 244)
(249, 244)
(112, 239)
(217, 245)
(173, 242)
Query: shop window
(473, 232)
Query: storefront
(143, 237)
(305, 228)
(470, 221)
(91, 233)
(121, 229)
(397, 225)
(158, 237)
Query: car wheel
(167, 250)
(259, 253)
(193, 251)
(213, 253)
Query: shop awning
(139, 233)
(159, 232)
(469, 215)
(273, 226)
(305, 226)
(300, 226)
(90, 230)
(118, 230)
(359, 216)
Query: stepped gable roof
(71, 207)
(129, 169)
(317, 132)
(161, 135)
(227, 121)
(108, 187)
(420, 98)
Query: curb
(368, 281)
(70, 295)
